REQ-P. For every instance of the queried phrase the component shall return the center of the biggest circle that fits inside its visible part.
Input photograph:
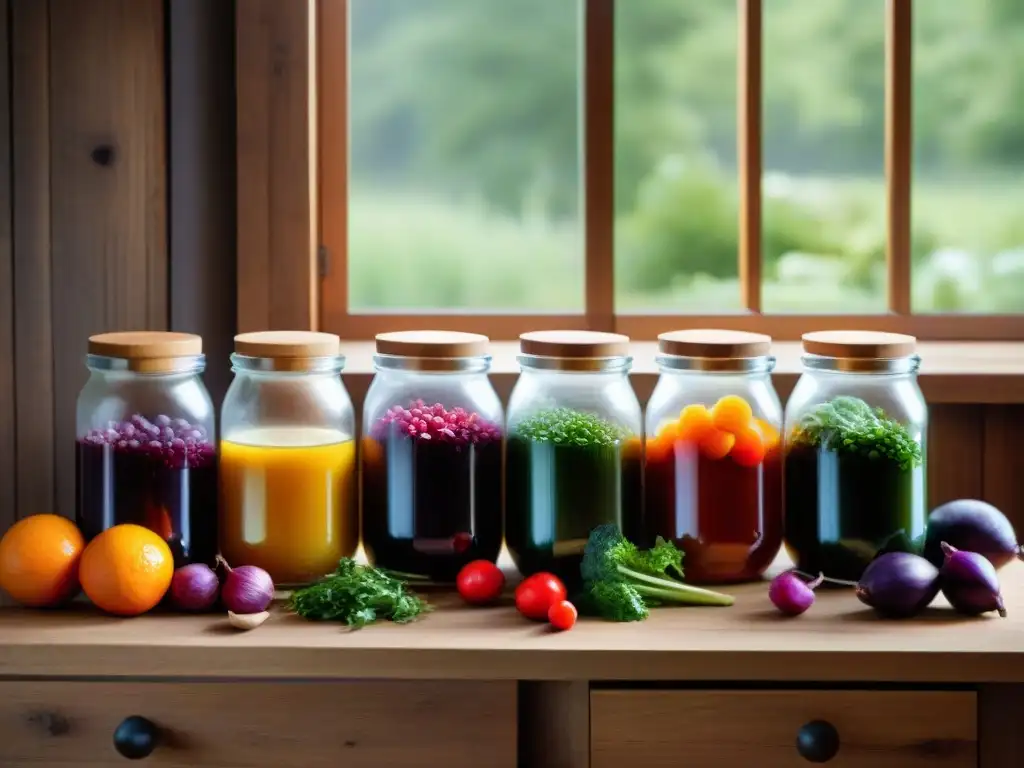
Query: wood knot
(103, 155)
(51, 722)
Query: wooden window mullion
(898, 150)
(748, 117)
(599, 163)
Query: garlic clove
(247, 620)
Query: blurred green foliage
(466, 147)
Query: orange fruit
(39, 558)
(717, 444)
(769, 434)
(694, 423)
(126, 570)
(748, 450)
(732, 414)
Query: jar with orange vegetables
(713, 470)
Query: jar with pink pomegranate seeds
(431, 455)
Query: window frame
(332, 82)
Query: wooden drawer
(727, 729)
(263, 725)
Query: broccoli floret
(622, 582)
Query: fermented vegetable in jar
(574, 453)
(855, 453)
(432, 455)
(145, 451)
(713, 468)
(288, 457)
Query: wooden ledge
(951, 372)
(838, 640)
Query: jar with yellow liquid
(287, 457)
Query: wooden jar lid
(578, 344)
(145, 345)
(438, 344)
(287, 344)
(714, 343)
(859, 345)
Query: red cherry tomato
(537, 593)
(480, 582)
(562, 615)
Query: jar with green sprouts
(855, 453)
(573, 453)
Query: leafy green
(358, 595)
(621, 582)
(566, 426)
(849, 425)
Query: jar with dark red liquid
(713, 469)
(431, 455)
(145, 446)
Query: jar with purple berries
(145, 449)
(431, 455)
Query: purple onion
(898, 585)
(246, 589)
(791, 594)
(970, 583)
(971, 525)
(195, 587)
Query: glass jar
(713, 459)
(432, 455)
(574, 455)
(145, 448)
(855, 453)
(288, 457)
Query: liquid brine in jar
(855, 453)
(713, 465)
(145, 448)
(288, 468)
(573, 459)
(431, 455)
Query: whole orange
(126, 570)
(39, 558)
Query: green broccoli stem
(672, 590)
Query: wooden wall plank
(276, 160)
(1004, 461)
(201, 172)
(955, 459)
(33, 366)
(7, 406)
(108, 195)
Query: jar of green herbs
(854, 453)
(573, 451)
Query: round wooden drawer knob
(817, 741)
(136, 737)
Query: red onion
(194, 587)
(791, 594)
(898, 585)
(970, 583)
(247, 589)
(972, 526)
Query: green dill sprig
(358, 595)
(849, 425)
(565, 426)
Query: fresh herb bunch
(849, 425)
(358, 595)
(621, 582)
(565, 426)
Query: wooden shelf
(839, 640)
(951, 372)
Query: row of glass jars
(708, 467)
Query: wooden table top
(837, 640)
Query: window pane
(968, 247)
(465, 155)
(676, 227)
(823, 189)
